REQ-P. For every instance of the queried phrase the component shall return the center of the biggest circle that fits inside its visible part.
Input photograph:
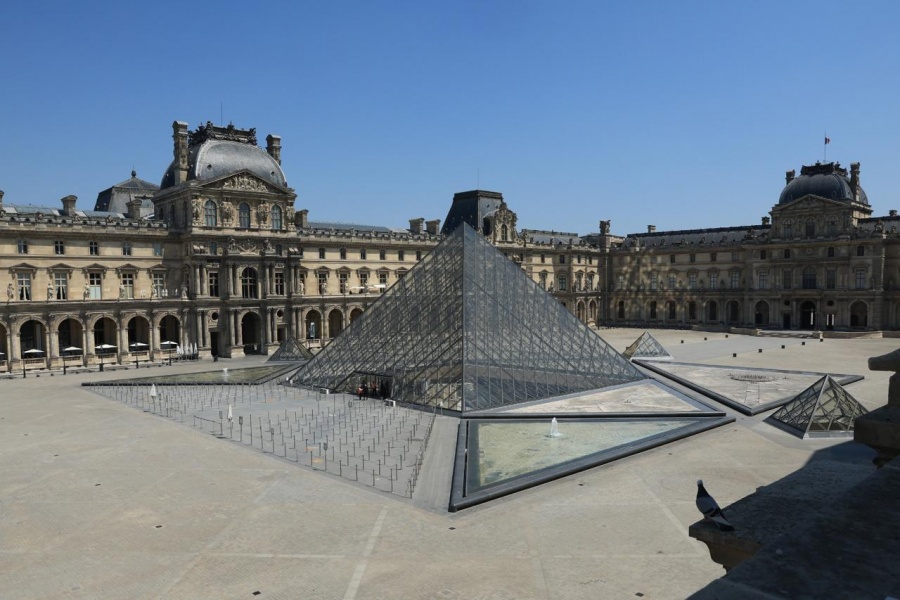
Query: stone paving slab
(236, 521)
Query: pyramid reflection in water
(466, 330)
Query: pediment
(243, 181)
(809, 202)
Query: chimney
(651, 228)
(433, 227)
(891, 213)
(273, 147)
(69, 205)
(765, 220)
(605, 227)
(301, 219)
(134, 208)
(417, 226)
(180, 136)
(854, 181)
(789, 176)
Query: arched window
(244, 215)
(653, 309)
(209, 214)
(276, 218)
(504, 233)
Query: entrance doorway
(808, 315)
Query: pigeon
(710, 509)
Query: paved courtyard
(99, 499)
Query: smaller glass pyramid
(823, 409)
(291, 350)
(647, 347)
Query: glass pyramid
(466, 329)
(823, 409)
(647, 347)
(291, 350)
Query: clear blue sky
(680, 114)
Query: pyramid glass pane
(823, 408)
(291, 350)
(646, 346)
(466, 329)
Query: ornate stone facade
(226, 262)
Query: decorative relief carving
(262, 213)
(246, 183)
(227, 213)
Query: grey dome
(824, 180)
(216, 158)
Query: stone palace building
(218, 257)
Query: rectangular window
(126, 248)
(672, 259)
(213, 249)
(860, 279)
(672, 282)
(712, 257)
(127, 289)
(762, 255)
(563, 281)
(735, 280)
(213, 280)
(735, 257)
(382, 278)
(591, 260)
(692, 281)
(579, 259)
(95, 286)
(830, 279)
(590, 282)
(362, 254)
(157, 249)
(322, 253)
(401, 255)
(763, 281)
(279, 283)
(22, 247)
(808, 281)
(158, 284)
(786, 279)
(543, 258)
(94, 248)
(322, 279)
(653, 281)
(860, 251)
(831, 252)
(363, 280)
(713, 281)
(418, 255)
(693, 257)
(786, 253)
(23, 281)
(59, 247)
(562, 259)
(542, 277)
(61, 283)
(382, 255)
(342, 278)
(343, 254)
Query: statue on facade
(300, 287)
(10, 292)
(154, 292)
(51, 291)
(262, 213)
(322, 288)
(227, 212)
(184, 292)
(87, 291)
(122, 291)
(195, 210)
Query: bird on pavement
(710, 508)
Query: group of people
(366, 390)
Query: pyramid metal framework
(291, 350)
(647, 347)
(823, 409)
(466, 329)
